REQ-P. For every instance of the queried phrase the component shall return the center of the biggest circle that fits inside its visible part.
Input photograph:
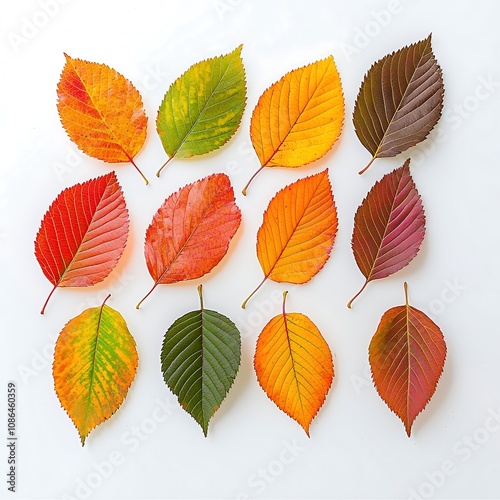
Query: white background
(358, 447)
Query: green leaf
(202, 109)
(200, 357)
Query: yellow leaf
(298, 231)
(95, 362)
(294, 365)
(298, 119)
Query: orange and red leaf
(407, 355)
(101, 111)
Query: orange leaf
(294, 365)
(298, 119)
(101, 111)
(95, 362)
(298, 231)
(407, 356)
(190, 233)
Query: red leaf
(389, 226)
(407, 355)
(191, 231)
(83, 234)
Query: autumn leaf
(83, 234)
(101, 111)
(294, 365)
(200, 357)
(407, 355)
(298, 119)
(297, 233)
(389, 226)
(95, 362)
(190, 233)
(400, 101)
(202, 109)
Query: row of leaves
(296, 121)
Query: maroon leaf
(389, 226)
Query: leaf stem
(200, 293)
(244, 192)
(139, 170)
(349, 304)
(164, 165)
(367, 166)
(105, 300)
(48, 298)
(146, 296)
(285, 293)
(406, 294)
(253, 293)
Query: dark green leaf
(200, 357)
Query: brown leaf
(400, 101)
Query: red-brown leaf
(190, 233)
(407, 355)
(389, 226)
(83, 234)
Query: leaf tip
(408, 430)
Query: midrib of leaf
(92, 370)
(295, 377)
(203, 361)
(408, 353)
(391, 121)
(296, 120)
(205, 105)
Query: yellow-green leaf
(95, 362)
(202, 109)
